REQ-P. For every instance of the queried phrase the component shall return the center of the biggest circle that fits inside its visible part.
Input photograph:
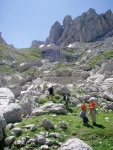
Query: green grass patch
(59, 66)
(96, 59)
(31, 54)
(7, 70)
(9, 54)
(69, 51)
(98, 137)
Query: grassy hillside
(108, 55)
(31, 54)
(9, 54)
(99, 137)
(6, 70)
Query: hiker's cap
(92, 99)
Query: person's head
(83, 102)
(92, 99)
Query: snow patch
(41, 46)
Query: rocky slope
(83, 69)
(21, 93)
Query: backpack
(48, 89)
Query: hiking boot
(94, 123)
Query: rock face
(87, 27)
(10, 110)
(54, 55)
(55, 33)
(25, 66)
(36, 43)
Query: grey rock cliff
(85, 28)
(36, 43)
(55, 33)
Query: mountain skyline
(25, 21)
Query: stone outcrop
(67, 76)
(25, 66)
(108, 66)
(10, 110)
(87, 27)
(54, 55)
(47, 124)
(16, 79)
(36, 43)
(6, 97)
(12, 113)
(55, 33)
(54, 108)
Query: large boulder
(54, 108)
(16, 79)
(9, 140)
(75, 144)
(107, 67)
(63, 72)
(27, 103)
(26, 66)
(3, 81)
(85, 67)
(63, 90)
(16, 89)
(107, 95)
(6, 96)
(12, 113)
(47, 124)
(38, 112)
(15, 65)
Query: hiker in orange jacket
(83, 113)
(83, 106)
(92, 106)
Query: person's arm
(95, 104)
(90, 106)
(81, 107)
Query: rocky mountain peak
(85, 28)
(67, 20)
(55, 32)
(91, 11)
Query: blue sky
(22, 21)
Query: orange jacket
(92, 105)
(83, 107)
